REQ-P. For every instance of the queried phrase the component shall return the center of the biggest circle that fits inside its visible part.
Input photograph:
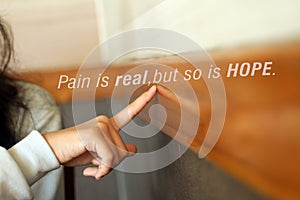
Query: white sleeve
(24, 164)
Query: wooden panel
(260, 142)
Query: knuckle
(103, 119)
(103, 127)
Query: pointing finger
(128, 113)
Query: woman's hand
(97, 141)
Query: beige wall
(213, 23)
(61, 33)
(51, 34)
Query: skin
(99, 137)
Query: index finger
(128, 113)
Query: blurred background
(61, 33)
(52, 36)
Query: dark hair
(10, 100)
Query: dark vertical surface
(69, 183)
(187, 178)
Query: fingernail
(152, 88)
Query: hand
(97, 141)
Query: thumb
(131, 148)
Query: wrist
(65, 144)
